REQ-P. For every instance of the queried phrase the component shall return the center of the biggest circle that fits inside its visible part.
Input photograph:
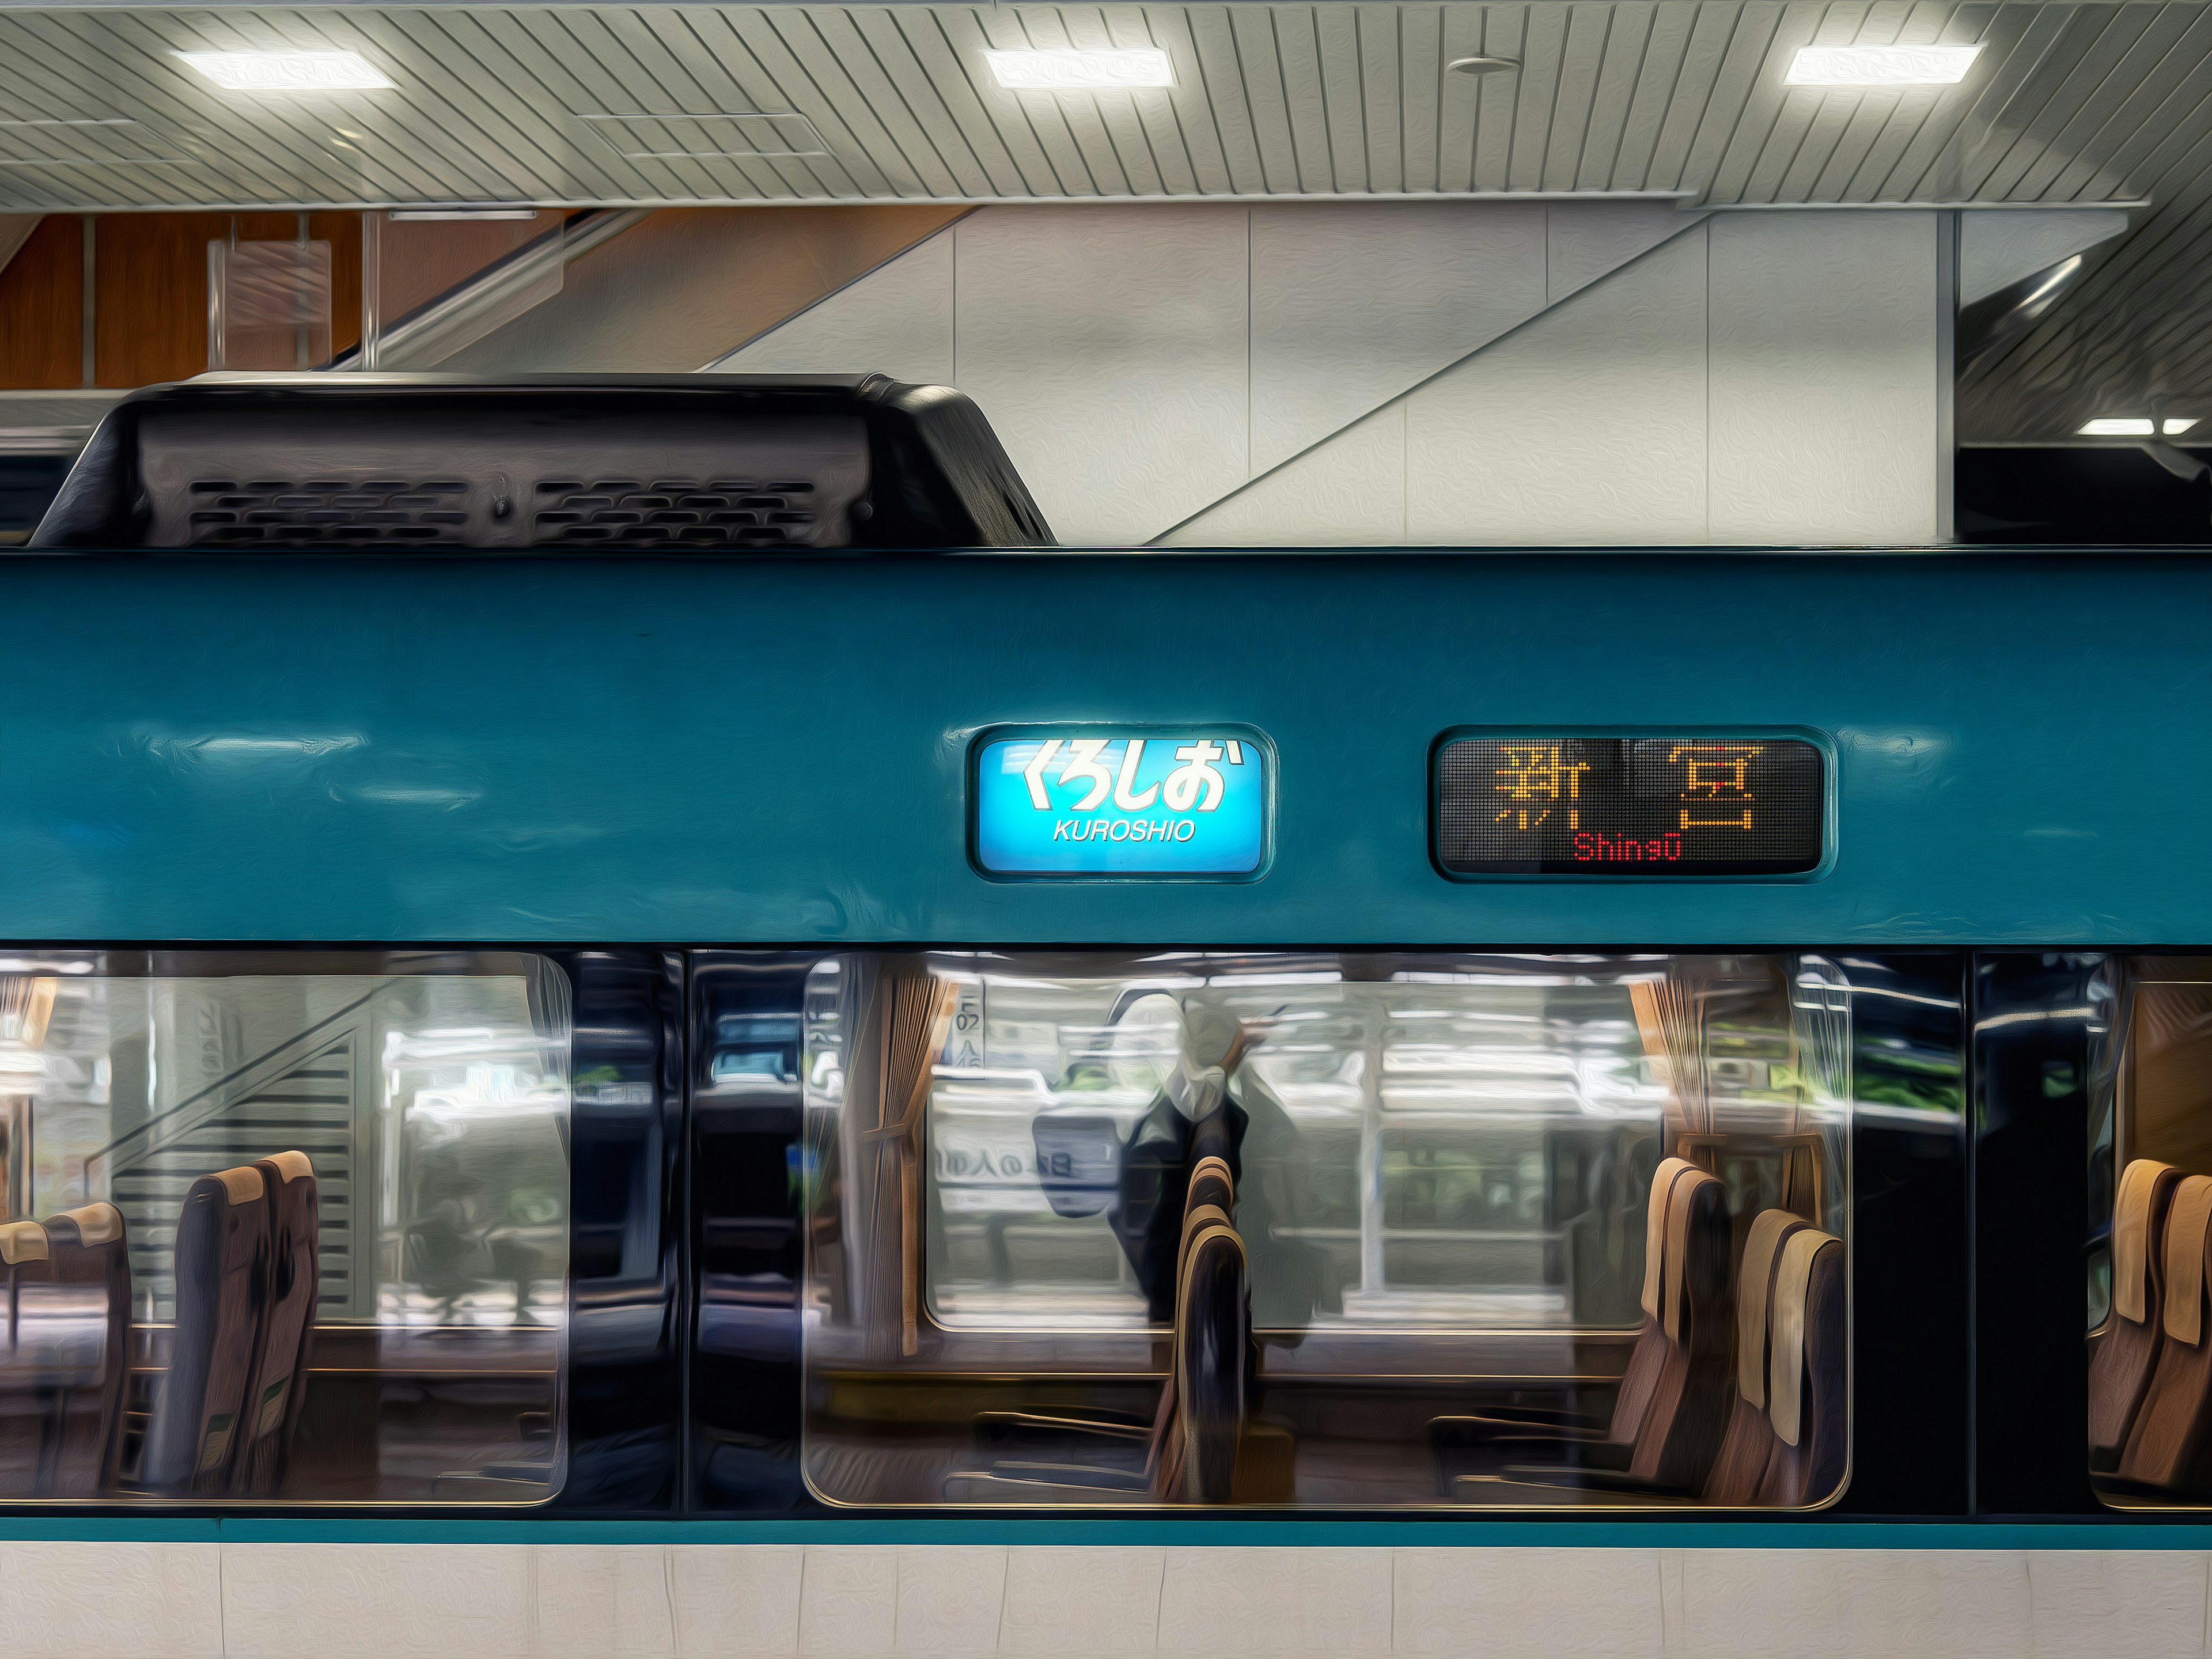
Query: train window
(1329, 1231)
(283, 1227)
(2150, 1338)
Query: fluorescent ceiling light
(408, 216)
(2110, 427)
(1882, 66)
(287, 71)
(1070, 69)
(2174, 428)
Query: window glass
(284, 1228)
(1338, 1230)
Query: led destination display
(1541, 803)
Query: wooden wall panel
(343, 232)
(42, 308)
(150, 294)
(424, 257)
(150, 306)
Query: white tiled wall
(1823, 406)
(1439, 372)
(1142, 363)
(1756, 379)
(143, 1600)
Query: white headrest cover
(1786, 1368)
(2186, 1224)
(240, 1185)
(2131, 1239)
(1682, 1202)
(1655, 1228)
(21, 1241)
(97, 1224)
(1768, 1229)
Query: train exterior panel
(687, 835)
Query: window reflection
(284, 1234)
(1331, 1230)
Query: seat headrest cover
(2131, 1240)
(292, 1166)
(242, 1185)
(21, 1241)
(1786, 1368)
(1655, 1228)
(2186, 1224)
(96, 1224)
(1768, 1229)
(1679, 1204)
(1201, 1217)
(1211, 1166)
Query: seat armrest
(1490, 1428)
(1002, 1433)
(1029, 1482)
(1484, 1445)
(1546, 1416)
(1589, 1478)
(2109, 1487)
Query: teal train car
(1303, 1069)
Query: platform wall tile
(90, 1601)
(1081, 1600)
(1545, 1603)
(1262, 1602)
(376, 1601)
(732, 1599)
(848, 1602)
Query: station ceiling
(2075, 104)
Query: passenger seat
(1189, 1454)
(2168, 1450)
(1671, 1409)
(66, 1355)
(24, 1264)
(2124, 1357)
(222, 1274)
(1788, 1430)
(287, 1329)
(90, 1259)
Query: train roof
(588, 462)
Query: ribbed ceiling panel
(690, 104)
(511, 104)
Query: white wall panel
(734, 1604)
(112, 1600)
(1353, 303)
(126, 1600)
(1587, 426)
(1350, 489)
(1825, 383)
(1108, 349)
(1583, 241)
(1142, 365)
(1999, 246)
(1498, 1602)
(1967, 1604)
(895, 320)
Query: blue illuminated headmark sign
(1092, 801)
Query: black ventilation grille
(327, 513)
(675, 513)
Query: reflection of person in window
(519, 1249)
(1191, 1118)
(446, 1232)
